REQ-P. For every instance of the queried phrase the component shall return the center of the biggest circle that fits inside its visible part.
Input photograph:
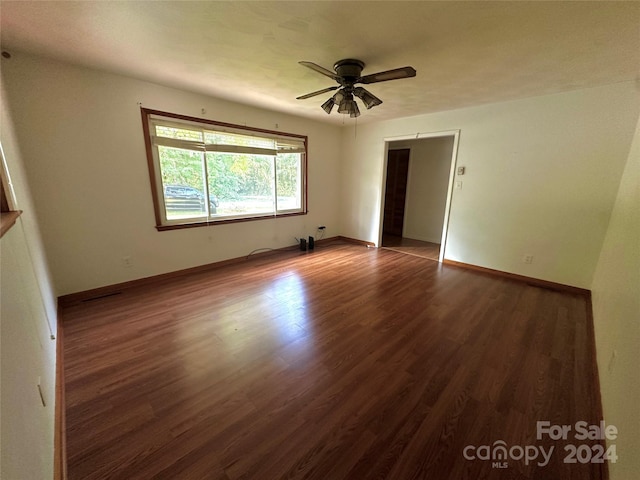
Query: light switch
(460, 170)
(458, 185)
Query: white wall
(616, 314)
(427, 184)
(83, 150)
(542, 175)
(27, 319)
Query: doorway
(418, 178)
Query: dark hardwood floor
(344, 363)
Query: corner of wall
(616, 317)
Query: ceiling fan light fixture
(345, 103)
(368, 98)
(349, 106)
(328, 105)
(355, 111)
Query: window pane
(224, 138)
(183, 183)
(289, 181)
(241, 184)
(179, 133)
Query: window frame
(155, 175)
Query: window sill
(177, 226)
(7, 220)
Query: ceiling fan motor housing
(349, 69)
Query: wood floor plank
(342, 363)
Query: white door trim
(452, 172)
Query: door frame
(452, 171)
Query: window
(204, 172)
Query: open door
(396, 191)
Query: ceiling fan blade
(321, 70)
(395, 74)
(319, 92)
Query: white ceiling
(466, 53)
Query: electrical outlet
(127, 262)
(527, 258)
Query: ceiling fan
(348, 74)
